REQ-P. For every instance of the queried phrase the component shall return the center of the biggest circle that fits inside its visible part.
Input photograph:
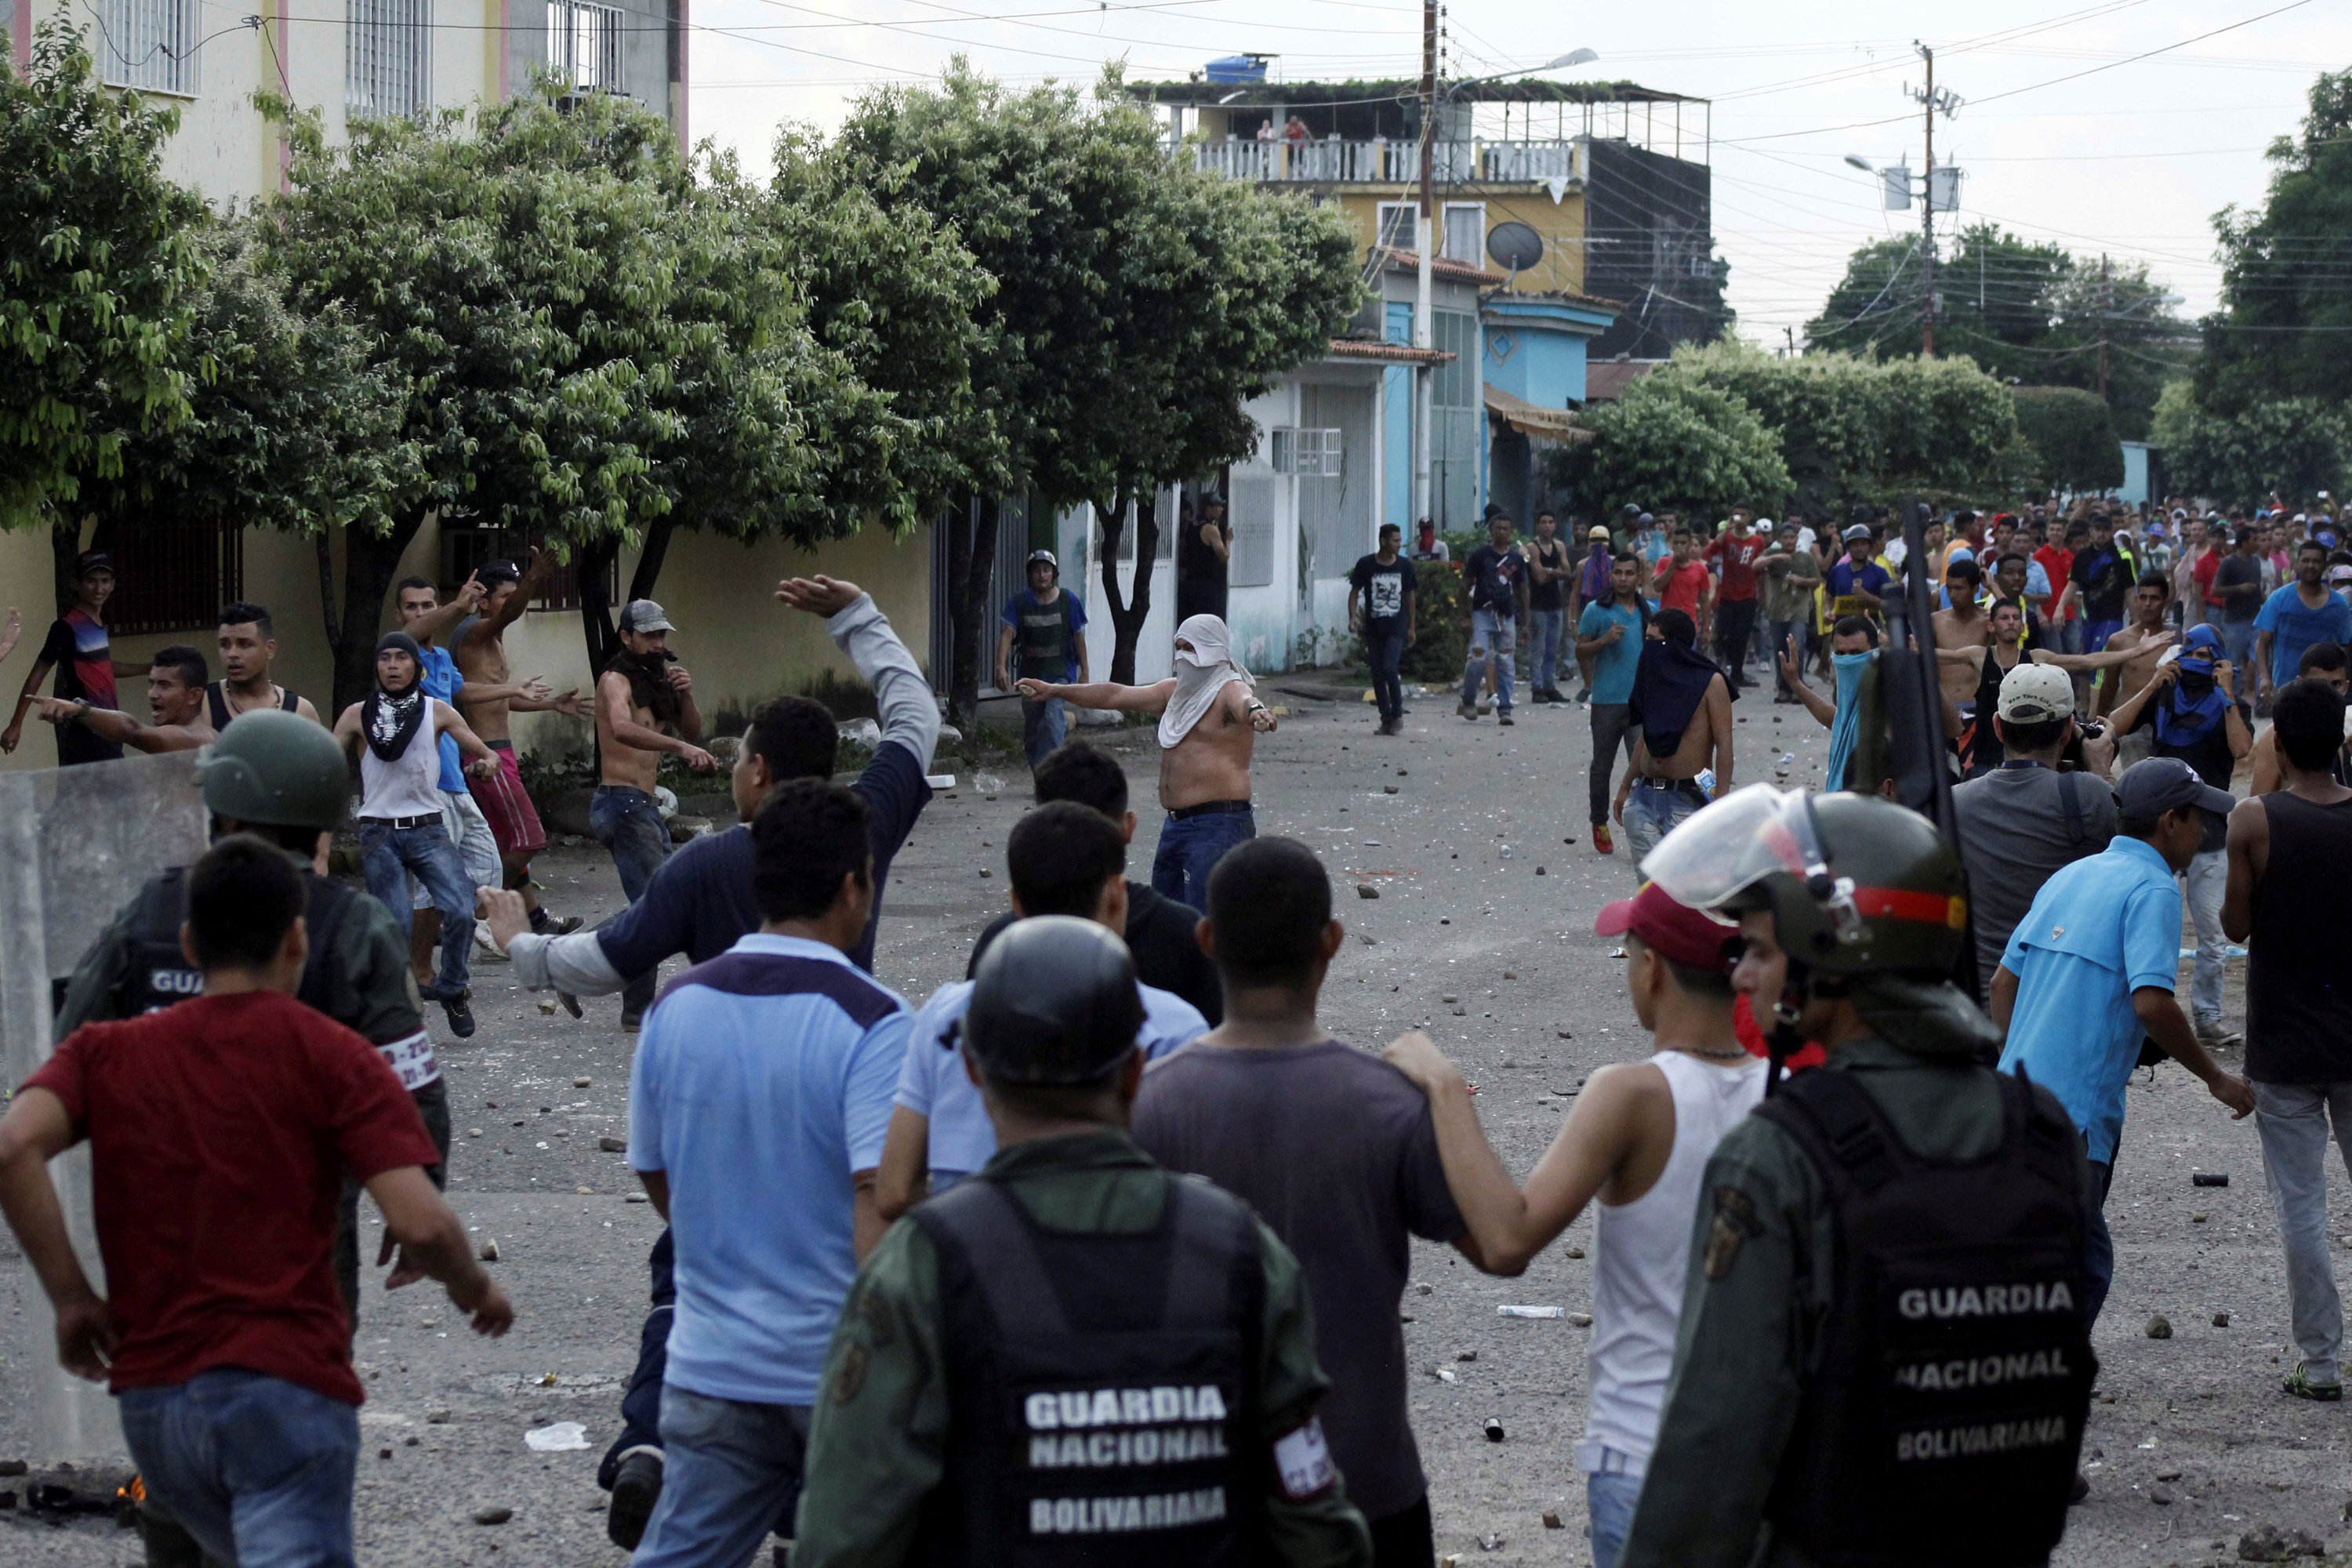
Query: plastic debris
(1531, 1311)
(563, 1437)
(988, 784)
(939, 780)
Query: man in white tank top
(1639, 1140)
(396, 732)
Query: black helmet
(275, 769)
(1055, 1002)
(1856, 885)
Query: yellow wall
(740, 645)
(1561, 225)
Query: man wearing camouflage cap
(1073, 1342)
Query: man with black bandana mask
(1882, 1355)
(396, 731)
(645, 706)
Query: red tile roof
(1393, 354)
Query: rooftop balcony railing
(1334, 162)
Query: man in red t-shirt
(219, 1129)
(2064, 616)
(1735, 550)
(1681, 580)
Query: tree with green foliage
(1851, 428)
(1137, 304)
(99, 274)
(2028, 313)
(2287, 448)
(2285, 329)
(1673, 442)
(584, 339)
(2072, 437)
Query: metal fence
(150, 45)
(1332, 161)
(584, 45)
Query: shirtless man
(645, 706)
(1209, 722)
(1669, 677)
(481, 655)
(2321, 661)
(1963, 626)
(249, 641)
(2151, 599)
(1982, 668)
(176, 695)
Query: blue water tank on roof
(1238, 69)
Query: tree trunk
(325, 545)
(590, 563)
(972, 525)
(1126, 617)
(65, 546)
(649, 560)
(369, 563)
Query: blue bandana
(2186, 712)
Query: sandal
(2300, 1385)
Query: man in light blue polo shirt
(1065, 859)
(757, 1110)
(2092, 967)
(2296, 615)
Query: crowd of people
(1851, 1243)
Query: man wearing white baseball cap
(2029, 817)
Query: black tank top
(1985, 751)
(216, 704)
(2298, 987)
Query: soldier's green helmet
(1856, 885)
(276, 769)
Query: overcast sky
(2131, 157)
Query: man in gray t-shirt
(1332, 1146)
(2022, 822)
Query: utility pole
(1424, 237)
(1927, 208)
(2106, 308)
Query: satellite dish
(1515, 247)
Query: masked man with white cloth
(1209, 720)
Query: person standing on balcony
(1204, 548)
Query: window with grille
(388, 58)
(150, 45)
(174, 576)
(1465, 232)
(584, 45)
(1399, 224)
(1309, 453)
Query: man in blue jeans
(645, 706)
(396, 732)
(1210, 719)
(231, 1357)
(758, 1105)
(2091, 970)
(1495, 590)
(1045, 637)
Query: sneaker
(2080, 1491)
(631, 1022)
(2300, 1385)
(460, 1017)
(636, 1489)
(1391, 727)
(1504, 717)
(2217, 1035)
(545, 924)
(1468, 710)
(1602, 844)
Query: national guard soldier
(285, 779)
(1883, 1356)
(1073, 1356)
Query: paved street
(1473, 838)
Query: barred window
(174, 576)
(150, 45)
(464, 546)
(584, 45)
(388, 58)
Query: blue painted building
(1533, 363)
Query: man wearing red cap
(1639, 1140)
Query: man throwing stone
(645, 706)
(1210, 719)
(481, 653)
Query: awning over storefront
(1558, 426)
